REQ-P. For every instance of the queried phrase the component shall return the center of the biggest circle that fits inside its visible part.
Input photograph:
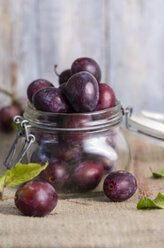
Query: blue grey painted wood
(136, 52)
(126, 37)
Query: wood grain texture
(70, 29)
(18, 38)
(125, 37)
(136, 38)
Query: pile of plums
(80, 90)
(77, 160)
(72, 166)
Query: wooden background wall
(126, 37)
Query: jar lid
(149, 125)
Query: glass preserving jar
(80, 148)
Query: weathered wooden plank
(6, 40)
(70, 29)
(34, 35)
(136, 43)
(29, 54)
(125, 37)
(18, 40)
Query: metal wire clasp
(127, 112)
(22, 132)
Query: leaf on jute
(147, 203)
(159, 173)
(2, 181)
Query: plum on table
(7, 114)
(36, 198)
(120, 185)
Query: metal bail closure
(146, 123)
(22, 126)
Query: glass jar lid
(147, 124)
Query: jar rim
(102, 118)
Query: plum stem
(2, 197)
(7, 198)
(55, 66)
(6, 92)
(2, 189)
(12, 96)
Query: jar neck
(59, 121)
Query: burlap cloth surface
(94, 222)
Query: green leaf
(159, 173)
(145, 202)
(22, 173)
(2, 181)
(14, 126)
